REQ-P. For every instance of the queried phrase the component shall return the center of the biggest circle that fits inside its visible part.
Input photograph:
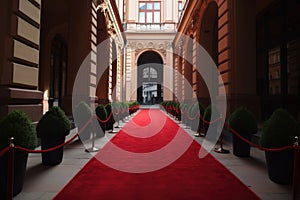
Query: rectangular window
(293, 67)
(142, 17)
(156, 6)
(156, 17)
(149, 6)
(274, 71)
(180, 7)
(142, 6)
(149, 17)
(149, 12)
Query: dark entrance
(150, 78)
(58, 71)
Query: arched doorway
(208, 39)
(58, 71)
(150, 78)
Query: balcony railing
(168, 27)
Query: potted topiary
(279, 131)
(207, 117)
(102, 115)
(243, 122)
(196, 110)
(200, 129)
(82, 115)
(19, 126)
(111, 120)
(53, 128)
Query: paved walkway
(43, 183)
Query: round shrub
(17, 124)
(207, 113)
(101, 112)
(243, 121)
(53, 124)
(279, 130)
(82, 114)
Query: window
(180, 7)
(293, 67)
(149, 72)
(149, 12)
(274, 71)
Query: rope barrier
(105, 121)
(59, 146)
(255, 145)
(117, 113)
(240, 136)
(3, 151)
(191, 118)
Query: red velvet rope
(241, 137)
(257, 146)
(105, 121)
(59, 146)
(186, 110)
(3, 151)
(191, 118)
(118, 112)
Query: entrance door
(150, 78)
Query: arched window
(149, 72)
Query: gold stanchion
(221, 149)
(10, 181)
(296, 169)
(93, 148)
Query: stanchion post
(221, 149)
(93, 148)
(296, 169)
(10, 181)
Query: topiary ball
(17, 124)
(53, 124)
(279, 130)
(243, 121)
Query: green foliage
(101, 112)
(279, 130)
(184, 107)
(17, 124)
(243, 121)
(195, 108)
(116, 107)
(82, 113)
(53, 124)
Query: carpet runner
(164, 174)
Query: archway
(150, 78)
(208, 39)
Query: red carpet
(187, 178)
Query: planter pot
(85, 134)
(194, 124)
(53, 157)
(20, 162)
(280, 166)
(102, 127)
(241, 148)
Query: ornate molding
(161, 46)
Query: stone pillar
(241, 76)
(19, 57)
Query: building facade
(44, 46)
(150, 27)
(148, 52)
(255, 45)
